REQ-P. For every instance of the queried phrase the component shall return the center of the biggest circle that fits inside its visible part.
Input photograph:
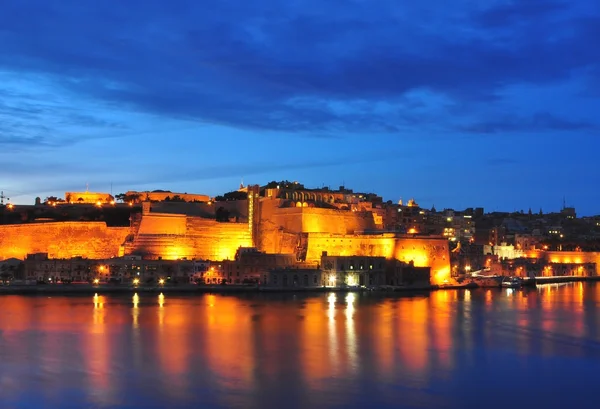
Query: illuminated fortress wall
(424, 252)
(163, 224)
(280, 228)
(62, 239)
(339, 233)
(568, 257)
(175, 236)
(316, 220)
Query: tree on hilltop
(231, 196)
(125, 198)
(53, 199)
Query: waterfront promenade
(85, 289)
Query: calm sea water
(449, 349)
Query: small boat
(512, 282)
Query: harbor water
(493, 348)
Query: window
(315, 279)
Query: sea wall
(62, 239)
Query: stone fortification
(567, 257)
(88, 197)
(176, 236)
(317, 220)
(62, 239)
(237, 209)
(281, 228)
(423, 252)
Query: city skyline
(488, 105)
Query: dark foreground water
(449, 349)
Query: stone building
(295, 277)
(88, 198)
(11, 269)
(353, 271)
(358, 271)
(253, 266)
(39, 267)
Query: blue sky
(464, 103)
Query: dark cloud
(244, 65)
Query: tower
(253, 211)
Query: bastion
(62, 240)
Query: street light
(161, 281)
(96, 281)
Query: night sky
(455, 103)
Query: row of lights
(136, 281)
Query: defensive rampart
(317, 220)
(62, 239)
(423, 252)
(567, 257)
(176, 236)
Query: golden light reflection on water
(97, 346)
(135, 313)
(441, 310)
(228, 342)
(413, 321)
(242, 346)
(351, 339)
(316, 346)
(332, 333)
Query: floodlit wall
(423, 252)
(62, 239)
